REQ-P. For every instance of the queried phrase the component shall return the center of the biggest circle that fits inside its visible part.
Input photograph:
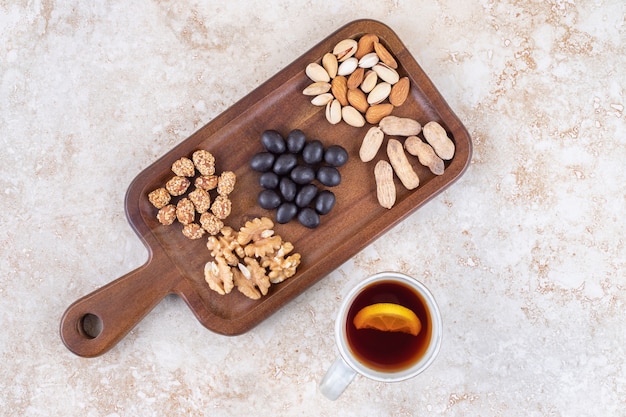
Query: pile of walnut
(251, 259)
(436, 148)
(197, 202)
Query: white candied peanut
(437, 137)
(401, 165)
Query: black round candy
(324, 202)
(329, 176)
(295, 141)
(262, 161)
(288, 189)
(285, 163)
(308, 218)
(269, 199)
(313, 152)
(302, 174)
(286, 212)
(273, 141)
(269, 180)
(335, 156)
(306, 195)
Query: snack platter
(176, 264)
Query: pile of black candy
(289, 168)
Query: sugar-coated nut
(206, 182)
(167, 215)
(221, 207)
(184, 167)
(200, 199)
(193, 231)
(204, 162)
(177, 185)
(385, 188)
(159, 197)
(210, 223)
(226, 183)
(185, 211)
(401, 165)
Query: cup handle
(337, 379)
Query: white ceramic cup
(348, 365)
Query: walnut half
(255, 257)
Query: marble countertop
(525, 253)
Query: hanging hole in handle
(90, 326)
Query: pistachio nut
(322, 99)
(348, 66)
(316, 89)
(386, 73)
(317, 73)
(379, 93)
(369, 60)
(369, 81)
(345, 49)
(329, 62)
(333, 112)
(352, 116)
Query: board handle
(98, 321)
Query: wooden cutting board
(175, 264)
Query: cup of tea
(388, 329)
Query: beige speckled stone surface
(526, 253)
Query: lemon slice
(388, 317)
